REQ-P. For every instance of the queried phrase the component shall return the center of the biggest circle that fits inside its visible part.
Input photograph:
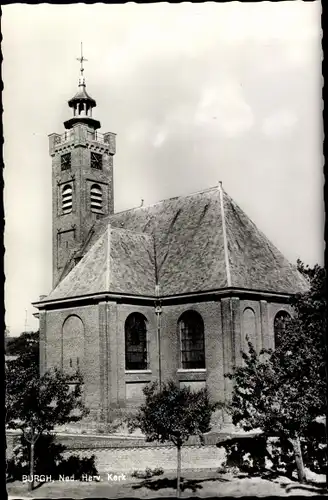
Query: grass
(200, 483)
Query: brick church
(166, 291)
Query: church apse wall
(72, 341)
(133, 329)
(258, 320)
(178, 361)
(116, 346)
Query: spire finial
(81, 59)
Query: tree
(173, 414)
(36, 404)
(283, 391)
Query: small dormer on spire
(82, 103)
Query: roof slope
(188, 241)
(195, 243)
(119, 261)
(255, 263)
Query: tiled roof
(255, 263)
(195, 243)
(119, 261)
(188, 241)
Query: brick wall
(89, 316)
(170, 346)
(108, 385)
(74, 227)
(251, 325)
(131, 459)
(128, 455)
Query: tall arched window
(191, 329)
(249, 328)
(96, 198)
(279, 326)
(72, 345)
(67, 198)
(136, 357)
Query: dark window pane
(136, 352)
(280, 325)
(65, 161)
(191, 328)
(96, 160)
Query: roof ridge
(141, 233)
(224, 232)
(213, 188)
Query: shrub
(77, 466)
(48, 454)
(247, 454)
(315, 448)
(49, 460)
(148, 473)
(252, 454)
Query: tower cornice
(82, 136)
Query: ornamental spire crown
(82, 103)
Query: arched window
(249, 328)
(96, 198)
(67, 198)
(136, 357)
(279, 326)
(72, 345)
(191, 329)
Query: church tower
(82, 179)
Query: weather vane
(81, 59)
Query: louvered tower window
(96, 198)
(67, 199)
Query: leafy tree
(283, 391)
(173, 414)
(25, 348)
(36, 404)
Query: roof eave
(229, 291)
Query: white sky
(196, 93)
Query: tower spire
(82, 103)
(81, 59)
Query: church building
(166, 291)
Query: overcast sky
(196, 93)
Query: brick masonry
(70, 231)
(131, 459)
(107, 385)
(119, 456)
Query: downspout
(158, 312)
(227, 266)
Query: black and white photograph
(165, 289)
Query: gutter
(109, 296)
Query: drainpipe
(158, 312)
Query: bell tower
(82, 179)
